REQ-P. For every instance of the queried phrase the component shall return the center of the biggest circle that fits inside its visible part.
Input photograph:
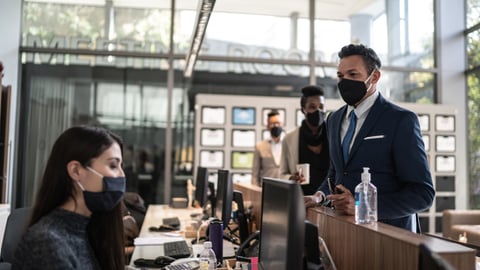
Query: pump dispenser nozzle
(366, 175)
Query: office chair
(16, 224)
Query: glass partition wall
(107, 62)
(472, 35)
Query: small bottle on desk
(208, 260)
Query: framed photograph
(243, 138)
(212, 159)
(445, 143)
(242, 160)
(245, 178)
(426, 142)
(299, 117)
(212, 137)
(266, 111)
(424, 121)
(243, 116)
(444, 122)
(213, 115)
(445, 163)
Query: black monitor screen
(282, 225)
(241, 216)
(223, 208)
(201, 187)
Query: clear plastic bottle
(208, 260)
(365, 200)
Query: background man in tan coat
(266, 160)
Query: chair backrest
(17, 222)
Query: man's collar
(364, 106)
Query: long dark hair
(105, 230)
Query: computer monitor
(223, 207)
(201, 187)
(241, 216)
(282, 225)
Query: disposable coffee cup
(304, 169)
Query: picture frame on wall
(243, 138)
(266, 111)
(444, 123)
(242, 159)
(213, 159)
(424, 121)
(243, 116)
(213, 115)
(212, 137)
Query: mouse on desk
(164, 260)
(158, 262)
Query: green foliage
(473, 81)
(48, 20)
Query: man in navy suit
(386, 138)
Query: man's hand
(314, 200)
(343, 203)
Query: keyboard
(173, 221)
(177, 249)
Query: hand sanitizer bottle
(365, 200)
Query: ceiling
(324, 9)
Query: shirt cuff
(319, 198)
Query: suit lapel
(336, 138)
(375, 112)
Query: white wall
(10, 23)
(452, 86)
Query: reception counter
(381, 246)
(378, 246)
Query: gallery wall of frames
(227, 127)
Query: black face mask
(315, 118)
(106, 200)
(352, 91)
(276, 131)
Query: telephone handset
(249, 248)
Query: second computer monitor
(282, 230)
(223, 209)
(201, 186)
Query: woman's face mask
(106, 200)
(315, 118)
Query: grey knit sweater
(57, 241)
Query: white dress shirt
(361, 111)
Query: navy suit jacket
(390, 144)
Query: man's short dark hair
(309, 91)
(369, 55)
(272, 113)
